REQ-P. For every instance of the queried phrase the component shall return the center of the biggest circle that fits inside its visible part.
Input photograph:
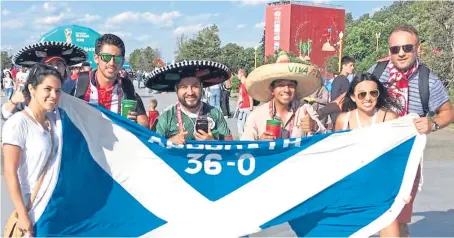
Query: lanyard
(180, 120)
(291, 120)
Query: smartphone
(202, 124)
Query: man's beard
(184, 104)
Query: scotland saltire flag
(115, 178)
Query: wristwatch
(435, 126)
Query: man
(245, 104)
(57, 54)
(341, 83)
(281, 85)
(190, 118)
(225, 97)
(85, 67)
(401, 76)
(104, 86)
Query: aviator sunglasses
(374, 93)
(396, 49)
(108, 57)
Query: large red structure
(294, 26)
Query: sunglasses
(396, 49)
(374, 93)
(108, 57)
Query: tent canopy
(83, 37)
(126, 65)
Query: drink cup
(274, 126)
(127, 105)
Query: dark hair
(37, 75)
(347, 59)
(85, 64)
(406, 28)
(110, 39)
(384, 100)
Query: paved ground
(434, 206)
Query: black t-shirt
(340, 86)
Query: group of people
(28, 138)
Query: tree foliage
(5, 60)
(144, 59)
(433, 20)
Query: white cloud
(121, 34)
(87, 18)
(241, 26)
(188, 29)
(375, 10)
(50, 7)
(260, 25)
(143, 38)
(12, 24)
(165, 18)
(5, 12)
(321, 1)
(202, 17)
(253, 2)
(50, 20)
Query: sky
(148, 23)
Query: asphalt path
(434, 206)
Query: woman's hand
(25, 224)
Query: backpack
(80, 86)
(423, 82)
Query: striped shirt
(438, 94)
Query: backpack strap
(83, 81)
(380, 68)
(423, 84)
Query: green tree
(332, 65)
(144, 59)
(5, 60)
(231, 56)
(205, 46)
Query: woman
(29, 141)
(8, 84)
(369, 102)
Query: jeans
(215, 98)
(225, 106)
(243, 113)
(9, 92)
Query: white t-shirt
(35, 143)
(8, 83)
(21, 78)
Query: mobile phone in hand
(202, 124)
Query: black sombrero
(210, 73)
(32, 54)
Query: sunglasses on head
(108, 57)
(374, 93)
(406, 48)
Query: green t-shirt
(167, 123)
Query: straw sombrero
(35, 53)
(259, 80)
(165, 78)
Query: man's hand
(267, 136)
(306, 124)
(179, 138)
(202, 135)
(132, 116)
(423, 125)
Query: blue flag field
(113, 177)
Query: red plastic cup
(274, 126)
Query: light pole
(377, 36)
(341, 35)
(255, 55)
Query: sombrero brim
(258, 82)
(32, 54)
(165, 78)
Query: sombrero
(165, 78)
(35, 53)
(259, 80)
